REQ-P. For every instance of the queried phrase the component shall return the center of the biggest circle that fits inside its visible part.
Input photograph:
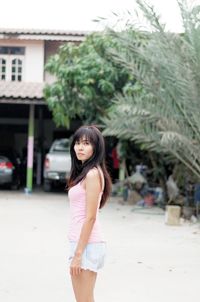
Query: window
(10, 50)
(16, 74)
(2, 69)
(11, 63)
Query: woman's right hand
(75, 267)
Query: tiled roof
(41, 31)
(21, 92)
(42, 34)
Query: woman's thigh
(83, 285)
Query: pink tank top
(77, 199)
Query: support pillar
(30, 150)
(40, 146)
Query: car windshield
(61, 146)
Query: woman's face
(83, 149)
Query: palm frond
(164, 115)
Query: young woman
(89, 187)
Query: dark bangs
(87, 133)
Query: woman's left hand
(75, 267)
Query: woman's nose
(80, 147)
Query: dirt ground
(147, 261)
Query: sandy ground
(147, 260)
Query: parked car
(9, 174)
(57, 164)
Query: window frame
(3, 73)
(17, 64)
(9, 59)
(12, 50)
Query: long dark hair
(79, 170)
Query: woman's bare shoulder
(92, 174)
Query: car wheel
(47, 186)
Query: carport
(24, 99)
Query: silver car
(6, 171)
(57, 164)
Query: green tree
(163, 112)
(86, 80)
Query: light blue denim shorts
(93, 256)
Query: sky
(78, 15)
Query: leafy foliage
(163, 114)
(86, 80)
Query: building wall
(51, 48)
(35, 61)
(33, 68)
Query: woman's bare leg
(83, 286)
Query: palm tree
(163, 110)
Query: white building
(23, 55)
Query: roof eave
(43, 34)
(66, 38)
(25, 101)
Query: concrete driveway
(147, 261)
